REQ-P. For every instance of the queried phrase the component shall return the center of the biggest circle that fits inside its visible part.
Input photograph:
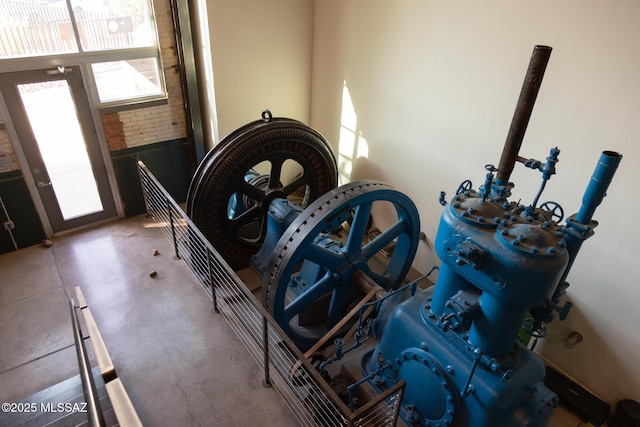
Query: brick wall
(143, 126)
(114, 131)
(6, 149)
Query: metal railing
(125, 413)
(311, 400)
(94, 411)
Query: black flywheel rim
(249, 170)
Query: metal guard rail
(123, 408)
(311, 400)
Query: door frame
(24, 164)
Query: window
(120, 80)
(116, 38)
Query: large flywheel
(309, 283)
(232, 188)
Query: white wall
(261, 54)
(434, 85)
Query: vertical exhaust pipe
(522, 114)
(579, 226)
(597, 188)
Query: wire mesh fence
(310, 398)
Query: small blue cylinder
(597, 188)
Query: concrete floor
(180, 363)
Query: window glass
(34, 28)
(134, 78)
(109, 29)
(113, 24)
(43, 27)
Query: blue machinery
(503, 268)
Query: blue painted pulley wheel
(272, 158)
(307, 285)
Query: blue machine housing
(512, 262)
(455, 344)
(438, 364)
(460, 357)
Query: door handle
(42, 184)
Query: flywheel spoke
(276, 172)
(295, 184)
(323, 256)
(251, 190)
(358, 227)
(380, 279)
(306, 299)
(387, 236)
(250, 215)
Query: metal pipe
(597, 188)
(522, 114)
(579, 226)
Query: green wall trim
(171, 162)
(15, 195)
(8, 176)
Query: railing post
(142, 174)
(213, 287)
(266, 381)
(173, 229)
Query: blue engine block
(460, 356)
(451, 383)
(503, 267)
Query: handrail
(107, 369)
(122, 405)
(88, 385)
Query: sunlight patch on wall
(352, 144)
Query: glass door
(50, 112)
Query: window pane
(113, 24)
(120, 80)
(32, 28)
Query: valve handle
(556, 211)
(442, 199)
(465, 185)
